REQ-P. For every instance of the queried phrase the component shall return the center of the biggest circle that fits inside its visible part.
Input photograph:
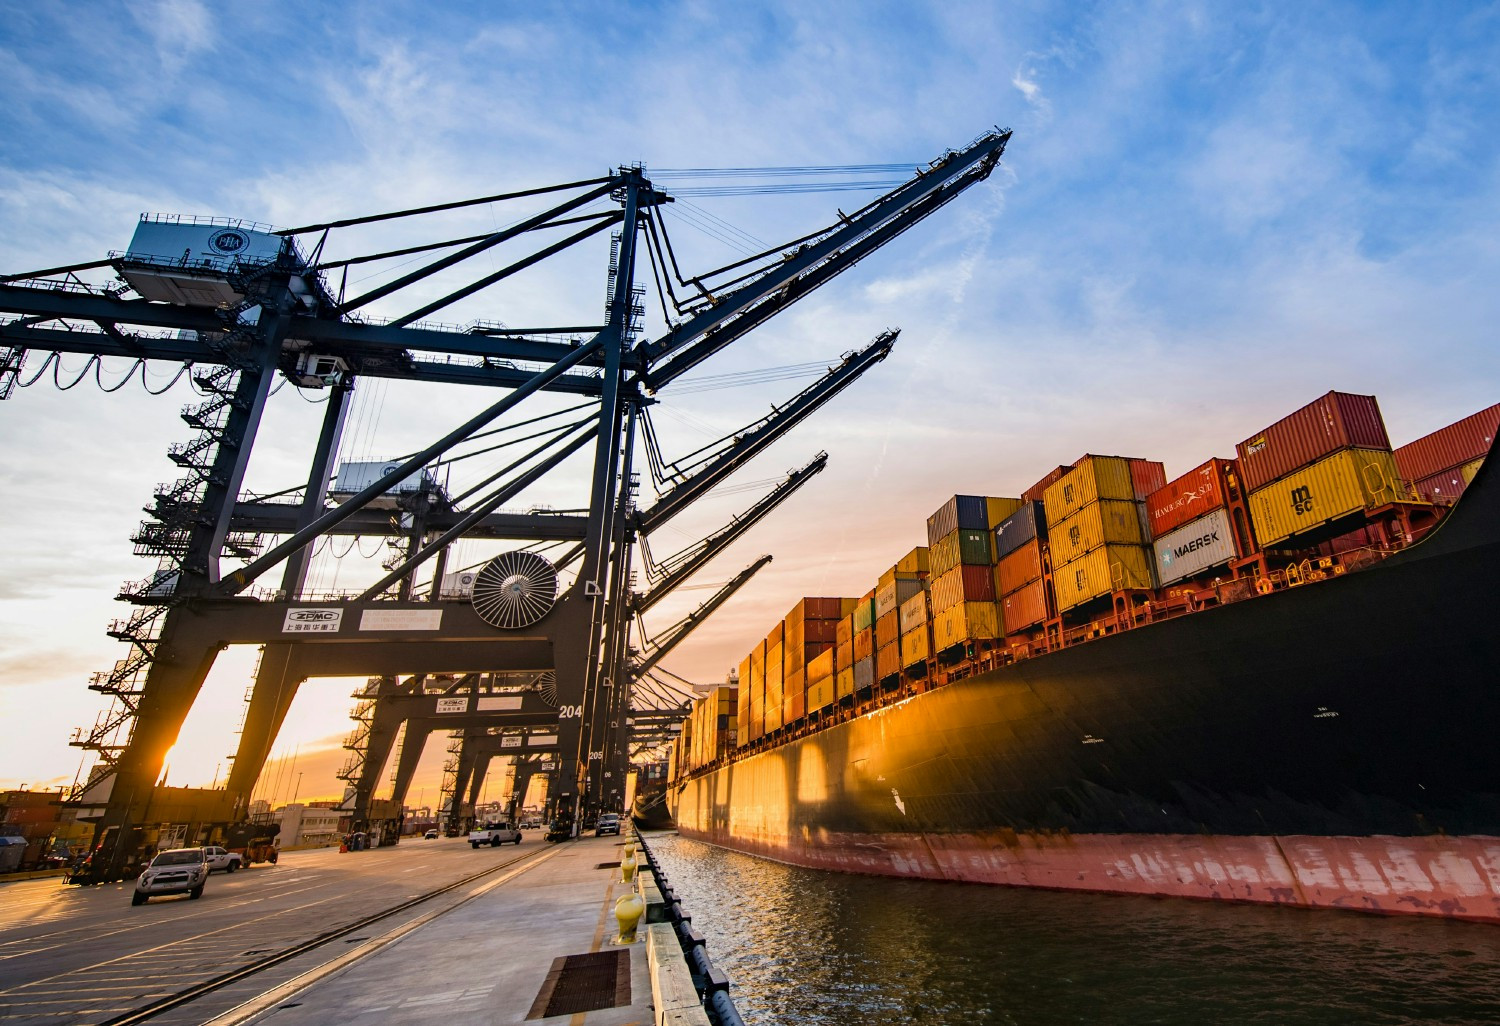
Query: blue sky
(1209, 215)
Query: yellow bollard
(627, 868)
(629, 849)
(628, 912)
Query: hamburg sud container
(1105, 569)
(1189, 497)
(1194, 547)
(1333, 487)
(1107, 521)
(913, 612)
(1335, 421)
(1447, 448)
(1023, 608)
(1027, 523)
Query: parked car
(222, 858)
(608, 823)
(430, 835)
(175, 871)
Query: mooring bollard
(628, 912)
(627, 868)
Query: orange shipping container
(888, 661)
(1024, 608)
(820, 667)
(887, 629)
(1019, 568)
(845, 632)
(864, 644)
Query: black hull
(1362, 705)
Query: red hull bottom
(1449, 877)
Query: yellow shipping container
(1346, 482)
(1092, 478)
(1102, 571)
(965, 621)
(844, 682)
(914, 562)
(820, 694)
(916, 646)
(820, 668)
(1106, 522)
(999, 508)
(1468, 470)
(914, 612)
(774, 674)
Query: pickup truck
(494, 834)
(220, 858)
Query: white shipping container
(1194, 547)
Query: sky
(1208, 215)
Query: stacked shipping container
(1190, 523)
(1441, 464)
(1096, 527)
(963, 604)
(709, 731)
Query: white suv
(176, 871)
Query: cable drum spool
(515, 590)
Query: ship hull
(1330, 745)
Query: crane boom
(689, 623)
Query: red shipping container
(1193, 494)
(1024, 608)
(963, 583)
(1449, 447)
(1336, 421)
(1019, 568)
(1034, 493)
(887, 629)
(887, 662)
(1443, 487)
(820, 632)
(1147, 476)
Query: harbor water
(805, 947)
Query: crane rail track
(199, 990)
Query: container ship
(1268, 680)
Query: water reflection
(805, 947)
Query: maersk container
(843, 683)
(1195, 547)
(1448, 448)
(888, 597)
(963, 584)
(864, 613)
(962, 546)
(1107, 569)
(820, 695)
(1024, 608)
(916, 646)
(864, 672)
(1326, 425)
(961, 511)
(819, 667)
(1019, 568)
(1026, 524)
(888, 661)
(1189, 497)
(1102, 477)
(887, 629)
(967, 621)
(1333, 487)
(914, 612)
(1105, 522)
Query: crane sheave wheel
(515, 590)
(547, 682)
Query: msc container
(1019, 568)
(1036, 491)
(843, 682)
(888, 661)
(967, 621)
(916, 646)
(1026, 524)
(1333, 487)
(961, 511)
(1102, 477)
(1460, 442)
(820, 667)
(1195, 547)
(887, 629)
(1106, 522)
(963, 584)
(1189, 497)
(1024, 608)
(1335, 421)
(1100, 572)
(998, 508)
(962, 546)
(864, 673)
(913, 613)
(864, 613)
(820, 695)
(888, 597)
(864, 644)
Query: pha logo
(230, 240)
(1302, 500)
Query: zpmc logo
(1302, 501)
